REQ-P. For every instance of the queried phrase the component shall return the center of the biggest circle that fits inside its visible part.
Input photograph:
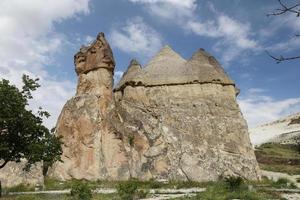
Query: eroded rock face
(92, 149)
(13, 174)
(172, 119)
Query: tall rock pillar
(90, 141)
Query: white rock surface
(280, 131)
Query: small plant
(234, 182)
(127, 190)
(153, 184)
(282, 181)
(141, 194)
(298, 180)
(131, 140)
(81, 191)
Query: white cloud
(169, 9)
(136, 37)
(288, 42)
(234, 37)
(258, 108)
(28, 41)
(292, 43)
(89, 39)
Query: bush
(234, 182)
(127, 190)
(131, 140)
(81, 191)
(153, 184)
(140, 194)
(282, 181)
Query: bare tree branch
(286, 9)
(281, 58)
(280, 11)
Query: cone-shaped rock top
(204, 68)
(133, 71)
(166, 59)
(167, 68)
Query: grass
(18, 188)
(279, 151)
(279, 158)
(58, 197)
(215, 191)
(52, 184)
(221, 191)
(289, 169)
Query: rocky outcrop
(13, 174)
(173, 119)
(92, 150)
(283, 131)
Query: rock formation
(283, 131)
(13, 174)
(172, 119)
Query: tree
(286, 9)
(22, 133)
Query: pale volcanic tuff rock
(13, 174)
(92, 150)
(284, 131)
(172, 119)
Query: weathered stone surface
(169, 68)
(92, 149)
(13, 174)
(95, 56)
(173, 119)
(285, 130)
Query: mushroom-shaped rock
(96, 55)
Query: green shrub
(282, 182)
(153, 184)
(298, 180)
(81, 191)
(127, 190)
(234, 182)
(140, 194)
(131, 140)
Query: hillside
(285, 131)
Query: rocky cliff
(172, 119)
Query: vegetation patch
(278, 158)
(223, 190)
(81, 191)
(19, 188)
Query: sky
(40, 38)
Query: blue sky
(39, 38)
